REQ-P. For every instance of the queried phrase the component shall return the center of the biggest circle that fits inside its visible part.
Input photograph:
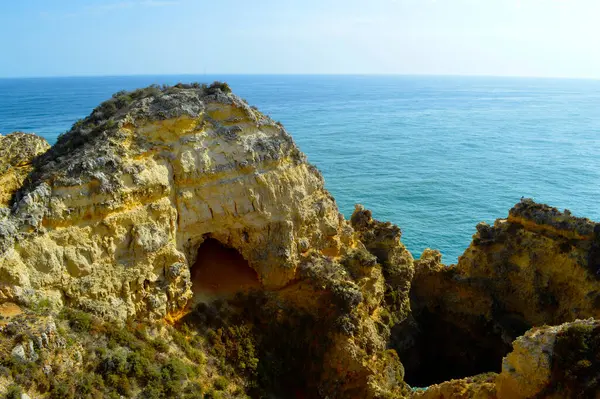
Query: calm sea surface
(434, 155)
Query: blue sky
(457, 37)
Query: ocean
(434, 155)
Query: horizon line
(213, 74)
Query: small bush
(193, 390)
(213, 395)
(160, 345)
(42, 306)
(90, 385)
(221, 383)
(218, 86)
(78, 321)
(62, 390)
(13, 392)
(576, 362)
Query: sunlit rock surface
(116, 219)
(17, 152)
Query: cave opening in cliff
(441, 350)
(221, 272)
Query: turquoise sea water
(434, 155)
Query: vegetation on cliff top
(89, 148)
(102, 116)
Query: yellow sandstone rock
(107, 221)
(537, 267)
(127, 213)
(17, 151)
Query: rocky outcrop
(17, 152)
(129, 194)
(383, 241)
(482, 386)
(559, 362)
(547, 362)
(537, 267)
(113, 218)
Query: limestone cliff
(112, 212)
(165, 202)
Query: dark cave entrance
(221, 272)
(440, 350)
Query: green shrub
(139, 365)
(576, 362)
(62, 390)
(90, 385)
(78, 321)
(152, 392)
(213, 395)
(121, 336)
(13, 392)
(193, 390)
(218, 86)
(121, 383)
(160, 345)
(221, 383)
(235, 345)
(180, 338)
(42, 306)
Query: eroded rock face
(122, 199)
(383, 241)
(113, 218)
(17, 152)
(554, 362)
(539, 265)
(481, 386)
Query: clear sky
(458, 37)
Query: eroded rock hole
(221, 271)
(433, 349)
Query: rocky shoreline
(177, 243)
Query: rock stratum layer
(176, 243)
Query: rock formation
(112, 212)
(537, 267)
(176, 243)
(112, 220)
(17, 151)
